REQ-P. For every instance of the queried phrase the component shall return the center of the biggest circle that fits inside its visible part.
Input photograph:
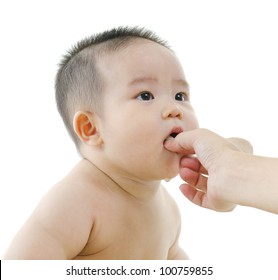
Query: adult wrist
(231, 176)
(250, 180)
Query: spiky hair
(79, 82)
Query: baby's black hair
(78, 80)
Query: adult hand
(206, 172)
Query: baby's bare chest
(130, 233)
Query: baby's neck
(141, 190)
(138, 189)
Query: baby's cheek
(191, 122)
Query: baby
(121, 94)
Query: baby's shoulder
(77, 191)
(78, 187)
(169, 200)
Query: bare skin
(225, 173)
(112, 204)
(98, 221)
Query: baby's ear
(85, 125)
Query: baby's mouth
(174, 133)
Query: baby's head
(80, 82)
(121, 93)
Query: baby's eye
(145, 96)
(181, 96)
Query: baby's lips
(176, 130)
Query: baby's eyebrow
(141, 80)
(181, 82)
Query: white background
(229, 50)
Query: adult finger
(194, 179)
(183, 143)
(193, 163)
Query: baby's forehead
(140, 52)
(142, 62)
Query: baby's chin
(168, 169)
(170, 174)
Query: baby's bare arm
(175, 252)
(58, 229)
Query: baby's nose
(172, 111)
